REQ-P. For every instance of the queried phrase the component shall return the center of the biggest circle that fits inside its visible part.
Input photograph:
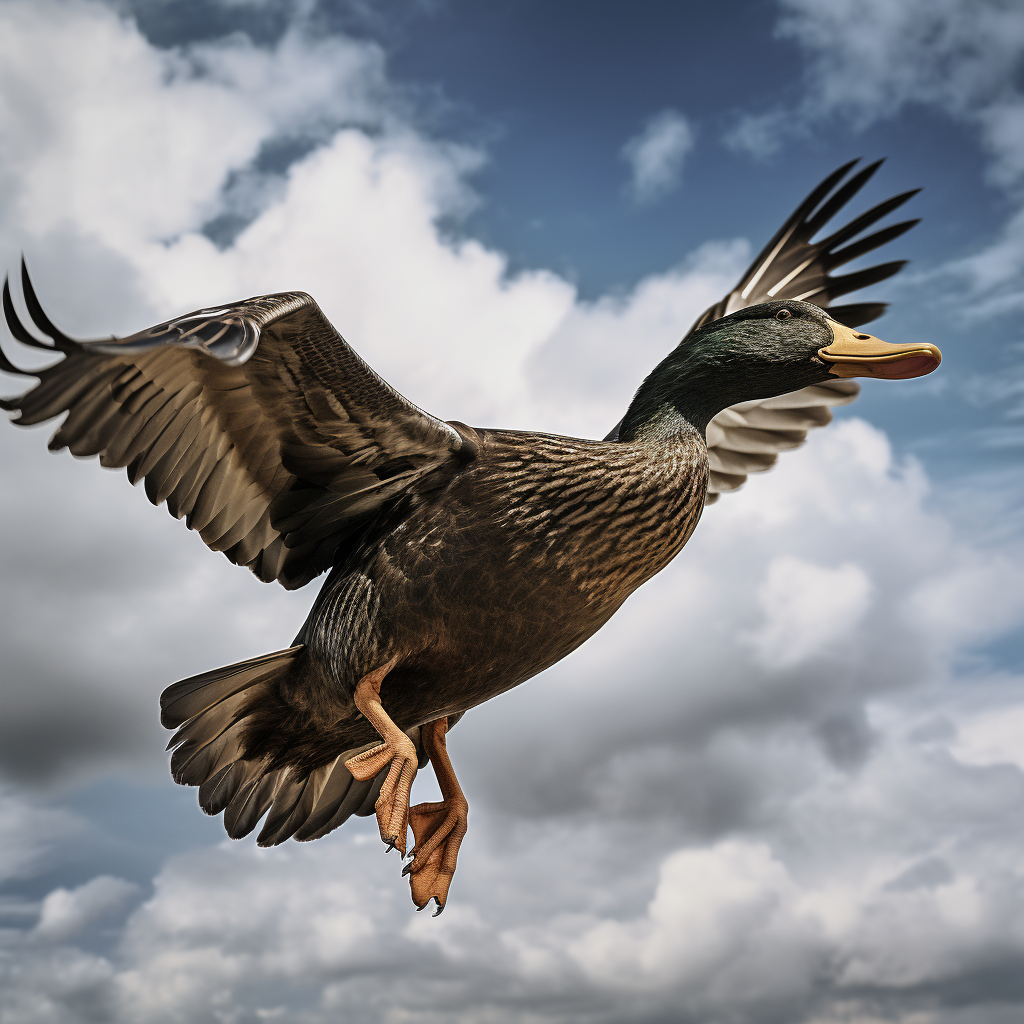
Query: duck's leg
(397, 749)
(438, 828)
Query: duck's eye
(783, 314)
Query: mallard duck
(462, 560)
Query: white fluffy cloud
(762, 793)
(657, 153)
(808, 609)
(127, 143)
(66, 912)
(992, 737)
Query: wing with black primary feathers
(254, 421)
(747, 438)
(791, 266)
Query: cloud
(705, 903)
(992, 737)
(656, 155)
(762, 135)
(170, 124)
(32, 834)
(66, 912)
(583, 376)
(808, 609)
(871, 58)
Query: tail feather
(211, 712)
(201, 742)
(342, 797)
(366, 808)
(291, 808)
(216, 792)
(287, 797)
(251, 802)
(337, 786)
(204, 728)
(190, 697)
(209, 760)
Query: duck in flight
(462, 561)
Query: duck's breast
(527, 555)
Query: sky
(786, 782)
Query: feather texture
(211, 751)
(255, 422)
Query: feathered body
(519, 560)
(462, 561)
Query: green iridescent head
(763, 351)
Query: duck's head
(763, 351)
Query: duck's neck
(672, 461)
(672, 395)
(697, 383)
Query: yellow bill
(862, 355)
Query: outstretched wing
(254, 421)
(747, 438)
(792, 267)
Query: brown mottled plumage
(462, 561)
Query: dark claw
(407, 869)
(391, 845)
(440, 908)
(424, 907)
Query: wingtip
(26, 281)
(903, 197)
(862, 177)
(35, 310)
(868, 172)
(17, 329)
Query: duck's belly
(475, 650)
(482, 615)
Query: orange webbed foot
(392, 805)
(438, 829)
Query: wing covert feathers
(255, 422)
(748, 437)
